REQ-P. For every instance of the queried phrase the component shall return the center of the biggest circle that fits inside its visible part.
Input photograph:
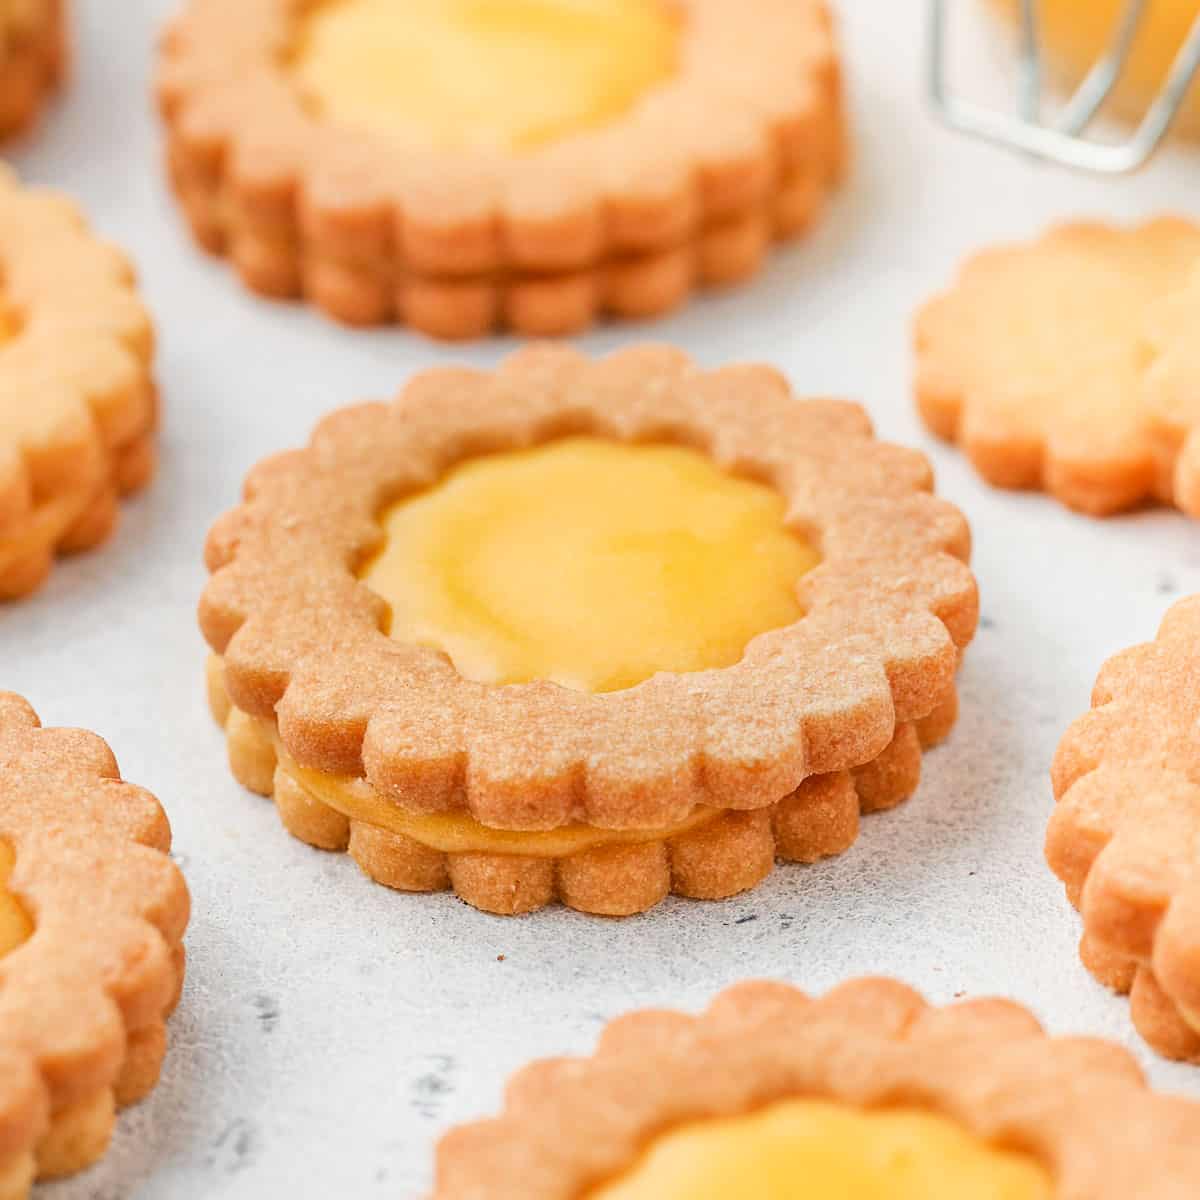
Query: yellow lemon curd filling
(501, 74)
(590, 563)
(15, 925)
(458, 833)
(1078, 32)
(818, 1150)
(584, 561)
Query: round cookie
(1069, 364)
(92, 915)
(406, 727)
(78, 405)
(1125, 835)
(524, 165)
(863, 1093)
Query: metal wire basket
(1064, 139)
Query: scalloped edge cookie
(1125, 834)
(1102, 422)
(78, 404)
(688, 189)
(83, 1002)
(886, 613)
(728, 854)
(887, 610)
(33, 60)
(1078, 1105)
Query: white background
(331, 1029)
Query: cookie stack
(1125, 836)
(92, 915)
(78, 406)
(624, 740)
(607, 160)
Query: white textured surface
(331, 1029)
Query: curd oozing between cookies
(498, 74)
(15, 925)
(1076, 33)
(458, 832)
(590, 563)
(819, 1150)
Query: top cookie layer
(755, 97)
(885, 613)
(1077, 1105)
(1068, 364)
(1125, 837)
(109, 909)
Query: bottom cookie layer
(78, 1133)
(729, 853)
(371, 291)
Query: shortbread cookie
(560, 630)
(1125, 837)
(865, 1092)
(32, 58)
(529, 165)
(77, 400)
(92, 913)
(1069, 364)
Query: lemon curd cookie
(866, 1093)
(593, 630)
(77, 400)
(92, 913)
(461, 165)
(32, 58)
(1125, 836)
(1070, 364)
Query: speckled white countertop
(331, 1029)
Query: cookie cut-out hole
(16, 925)
(828, 1151)
(590, 563)
(501, 74)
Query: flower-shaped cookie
(558, 162)
(77, 401)
(690, 780)
(865, 1091)
(1069, 364)
(33, 56)
(92, 913)
(1125, 836)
